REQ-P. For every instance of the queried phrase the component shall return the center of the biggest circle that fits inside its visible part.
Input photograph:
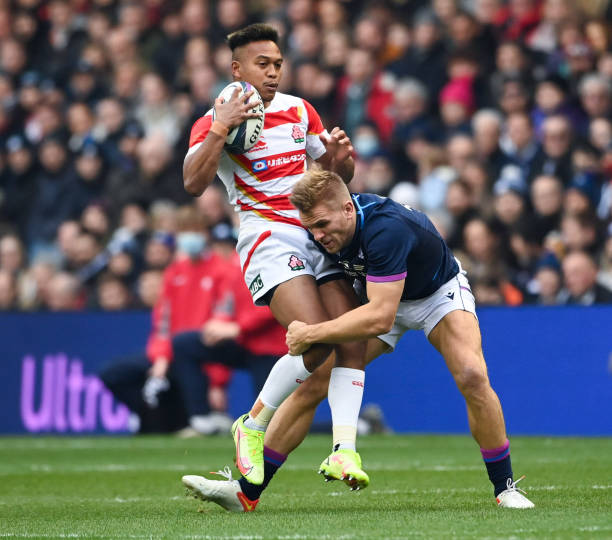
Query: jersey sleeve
(199, 131)
(387, 244)
(314, 147)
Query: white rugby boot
(512, 496)
(226, 493)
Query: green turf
(421, 487)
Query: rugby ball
(243, 137)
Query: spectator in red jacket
(195, 290)
(242, 336)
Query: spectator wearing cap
(509, 203)
(159, 250)
(30, 94)
(580, 281)
(17, 183)
(545, 288)
(84, 84)
(223, 238)
(582, 195)
(555, 155)
(91, 173)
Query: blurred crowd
(494, 117)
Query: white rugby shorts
(425, 313)
(273, 253)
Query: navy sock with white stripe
(499, 466)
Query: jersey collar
(353, 248)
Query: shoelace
(510, 485)
(226, 472)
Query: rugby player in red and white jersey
(281, 264)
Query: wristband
(219, 129)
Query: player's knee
(351, 355)
(316, 356)
(472, 380)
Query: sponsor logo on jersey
(256, 285)
(450, 295)
(260, 165)
(295, 263)
(298, 134)
(260, 145)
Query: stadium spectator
(580, 281)
(102, 78)
(547, 281)
(63, 293)
(194, 290)
(8, 291)
(547, 202)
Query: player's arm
(200, 167)
(338, 155)
(370, 320)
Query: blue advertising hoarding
(549, 366)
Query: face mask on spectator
(191, 243)
(366, 145)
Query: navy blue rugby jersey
(394, 242)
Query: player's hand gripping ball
(243, 137)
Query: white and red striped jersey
(259, 182)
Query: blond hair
(316, 186)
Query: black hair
(250, 34)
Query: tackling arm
(370, 320)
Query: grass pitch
(421, 487)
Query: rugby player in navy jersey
(409, 280)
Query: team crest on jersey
(260, 165)
(295, 263)
(298, 134)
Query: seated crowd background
(494, 117)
